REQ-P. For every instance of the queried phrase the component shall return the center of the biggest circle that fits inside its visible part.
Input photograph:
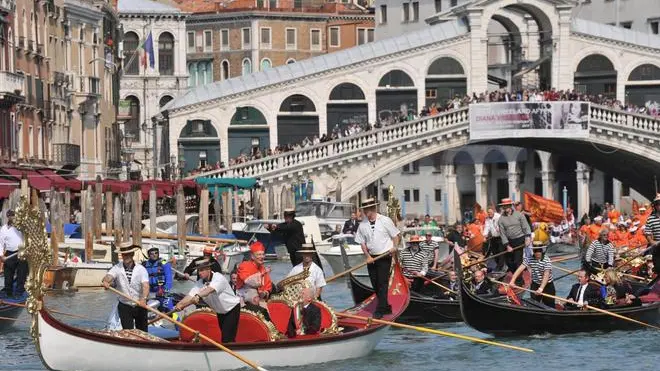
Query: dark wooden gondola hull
(420, 310)
(503, 319)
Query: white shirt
(223, 299)
(133, 288)
(316, 277)
(10, 239)
(491, 226)
(378, 237)
(581, 291)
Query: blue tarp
(69, 229)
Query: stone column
(617, 193)
(562, 70)
(514, 181)
(547, 174)
(478, 71)
(453, 205)
(583, 199)
(481, 184)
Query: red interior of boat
(250, 329)
(280, 313)
(526, 277)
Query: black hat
(203, 263)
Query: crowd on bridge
(406, 114)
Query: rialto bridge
(367, 83)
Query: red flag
(512, 295)
(543, 209)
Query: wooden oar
(355, 268)
(494, 256)
(585, 305)
(439, 285)
(569, 273)
(182, 274)
(432, 331)
(560, 259)
(180, 324)
(9, 318)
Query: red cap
(208, 249)
(257, 246)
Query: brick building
(11, 83)
(234, 38)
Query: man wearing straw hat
(316, 277)
(378, 235)
(216, 292)
(10, 239)
(133, 280)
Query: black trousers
(417, 284)
(229, 324)
(379, 274)
(132, 317)
(515, 258)
(496, 247)
(16, 271)
(549, 289)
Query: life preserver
(156, 276)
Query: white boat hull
(337, 262)
(62, 350)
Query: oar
(165, 317)
(182, 274)
(432, 331)
(169, 314)
(53, 311)
(9, 318)
(560, 259)
(570, 273)
(355, 268)
(494, 256)
(585, 305)
(439, 285)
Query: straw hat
(415, 239)
(307, 248)
(203, 263)
(369, 202)
(290, 212)
(127, 248)
(506, 202)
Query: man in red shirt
(253, 274)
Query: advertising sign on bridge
(529, 119)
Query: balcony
(11, 83)
(66, 154)
(21, 42)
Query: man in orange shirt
(619, 237)
(595, 228)
(613, 214)
(253, 274)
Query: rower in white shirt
(16, 271)
(316, 277)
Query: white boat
(331, 215)
(334, 257)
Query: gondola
(10, 308)
(507, 319)
(422, 308)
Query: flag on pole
(148, 52)
(543, 209)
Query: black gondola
(422, 309)
(504, 319)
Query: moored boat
(506, 319)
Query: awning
(60, 182)
(35, 180)
(7, 186)
(241, 183)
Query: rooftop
(283, 6)
(596, 29)
(146, 6)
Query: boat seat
(251, 328)
(280, 313)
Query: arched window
(209, 73)
(265, 64)
(164, 100)
(247, 67)
(645, 72)
(225, 70)
(132, 126)
(166, 54)
(132, 63)
(290, 61)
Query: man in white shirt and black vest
(378, 235)
(216, 292)
(16, 270)
(133, 280)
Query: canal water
(400, 349)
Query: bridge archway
(396, 94)
(347, 105)
(200, 145)
(643, 84)
(445, 79)
(467, 196)
(297, 120)
(248, 131)
(498, 168)
(594, 75)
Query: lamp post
(182, 161)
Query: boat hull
(70, 351)
(504, 319)
(337, 263)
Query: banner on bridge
(529, 119)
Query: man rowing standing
(514, 232)
(414, 261)
(600, 254)
(214, 289)
(10, 239)
(653, 234)
(207, 255)
(378, 235)
(540, 268)
(133, 280)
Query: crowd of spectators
(405, 114)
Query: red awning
(35, 180)
(7, 186)
(60, 182)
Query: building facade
(11, 84)
(146, 88)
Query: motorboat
(339, 262)
(331, 214)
